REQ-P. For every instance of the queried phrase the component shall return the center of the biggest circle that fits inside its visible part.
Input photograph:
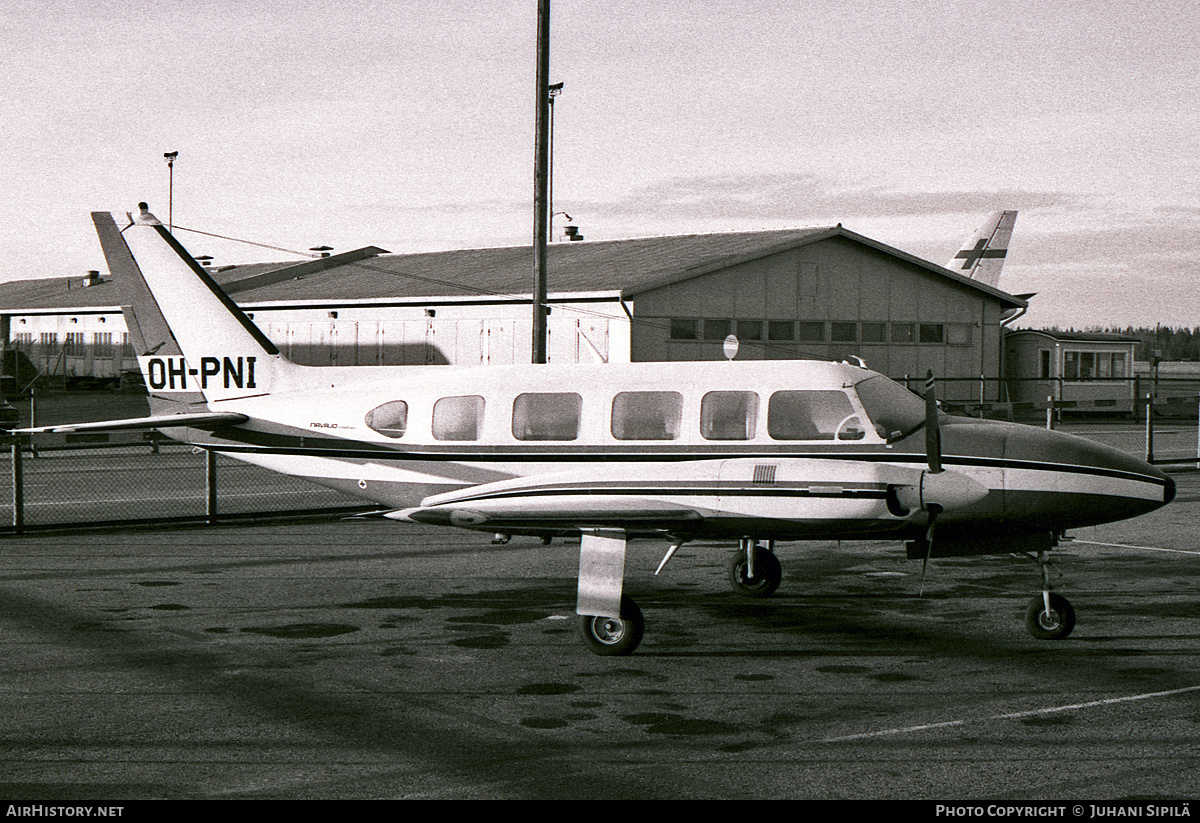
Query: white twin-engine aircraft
(748, 451)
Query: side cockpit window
(812, 415)
(390, 419)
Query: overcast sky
(409, 125)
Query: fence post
(1149, 428)
(18, 484)
(1050, 411)
(210, 482)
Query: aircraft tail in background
(982, 253)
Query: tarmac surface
(370, 659)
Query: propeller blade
(933, 434)
(933, 513)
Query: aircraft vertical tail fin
(193, 343)
(982, 254)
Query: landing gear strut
(755, 571)
(1050, 616)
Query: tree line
(1165, 342)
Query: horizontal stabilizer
(195, 420)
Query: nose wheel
(1050, 616)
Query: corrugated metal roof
(625, 266)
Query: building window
(1044, 364)
(843, 332)
(729, 415)
(781, 330)
(715, 329)
(749, 330)
(647, 415)
(74, 345)
(933, 333)
(874, 332)
(1087, 365)
(810, 331)
(958, 334)
(903, 333)
(684, 328)
(458, 418)
(546, 416)
(390, 419)
(102, 345)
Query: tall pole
(554, 91)
(170, 156)
(541, 163)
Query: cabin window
(728, 415)
(647, 415)
(457, 418)
(812, 415)
(550, 416)
(390, 419)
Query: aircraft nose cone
(1093, 483)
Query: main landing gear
(1050, 616)
(611, 624)
(755, 571)
(614, 636)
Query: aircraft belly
(392, 484)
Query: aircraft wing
(195, 420)
(676, 497)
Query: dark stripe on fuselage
(333, 447)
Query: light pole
(541, 214)
(555, 91)
(170, 157)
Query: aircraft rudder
(190, 337)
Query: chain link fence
(47, 487)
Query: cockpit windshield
(892, 408)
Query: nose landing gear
(1050, 616)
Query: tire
(614, 637)
(767, 574)
(1053, 626)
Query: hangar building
(824, 293)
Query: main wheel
(767, 573)
(1054, 625)
(614, 636)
